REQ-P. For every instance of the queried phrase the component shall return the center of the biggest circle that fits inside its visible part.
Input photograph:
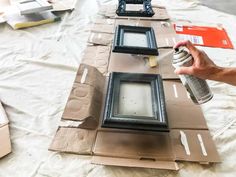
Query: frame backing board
(135, 40)
(156, 120)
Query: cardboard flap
(100, 38)
(104, 21)
(120, 62)
(110, 12)
(97, 56)
(164, 31)
(181, 111)
(136, 145)
(126, 162)
(5, 143)
(103, 28)
(84, 102)
(91, 76)
(3, 116)
(73, 140)
(195, 147)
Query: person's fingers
(184, 70)
(179, 44)
(192, 49)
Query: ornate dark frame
(119, 40)
(146, 12)
(114, 120)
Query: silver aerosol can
(197, 88)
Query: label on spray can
(198, 88)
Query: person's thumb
(183, 70)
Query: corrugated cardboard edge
(125, 162)
(5, 142)
(85, 97)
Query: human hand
(203, 67)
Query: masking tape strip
(184, 142)
(84, 75)
(202, 144)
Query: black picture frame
(118, 43)
(112, 119)
(147, 10)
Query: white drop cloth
(37, 69)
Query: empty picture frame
(135, 40)
(146, 11)
(135, 101)
(33, 6)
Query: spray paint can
(197, 88)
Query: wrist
(217, 73)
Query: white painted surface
(135, 99)
(134, 7)
(135, 39)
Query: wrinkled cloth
(37, 69)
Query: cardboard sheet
(139, 64)
(103, 30)
(133, 144)
(5, 143)
(97, 56)
(84, 102)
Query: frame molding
(119, 40)
(146, 12)
(111, 117)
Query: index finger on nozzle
(187, 44)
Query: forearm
(227, 75)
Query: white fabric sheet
(37, 69)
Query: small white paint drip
(165, 24)
(202, 144)
(91, 37)
(99, 35)
(174, 40)
(109, 22)
(184, 142)
(188, 95)
(175, 91)
(167, 41)
(84, 75)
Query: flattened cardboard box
(147, 149)
(5, 144)
(103, 31)
(109, 11)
